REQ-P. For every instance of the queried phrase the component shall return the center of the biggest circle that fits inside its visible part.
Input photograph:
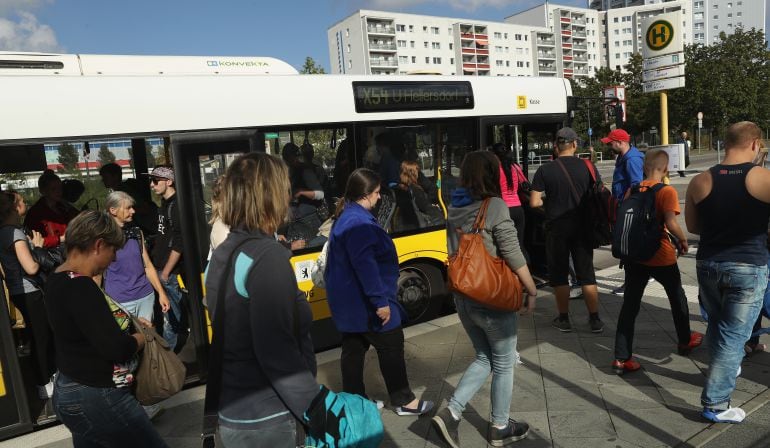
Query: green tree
(105, 155)
(68, 158)
(310, 67)
(148, 153)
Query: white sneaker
(46, 392)
(732, 415)
(739, 372)
(518, 359)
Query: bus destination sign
(395, 96)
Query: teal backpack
(342, 420)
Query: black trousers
(32, 308)
(390, 351)
(637, 276)
(519, 220)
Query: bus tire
(421, 290)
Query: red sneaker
(695, 340)
(629, 365)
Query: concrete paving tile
(580, 442)
(565, 370)
(405, 427)
(604, 343)
(587, 424)
(656, 427)
(570, 346)
(752, 387)
(631, 397)
(585, 398)
(427, 367)
(445, 335)
(403, 443)
(605, 375)
(464, 350)
(413, 349)
(181, 421)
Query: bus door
(199, 159)
(14, 407)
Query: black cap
(565, 135)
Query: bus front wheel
(420, 291)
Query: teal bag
(342, 420)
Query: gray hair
(116, 199)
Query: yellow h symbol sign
(659, 35)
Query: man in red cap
(629, 169)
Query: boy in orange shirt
(662, 267)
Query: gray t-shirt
(14, 273)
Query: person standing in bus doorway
(167, 250)
(361, 284)
(564, 180)
(629, 170)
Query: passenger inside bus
(307, 197)
(51, 213)
(146, 216)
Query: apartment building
(385, 43)
(712, 17)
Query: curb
(712, 431)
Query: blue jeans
(172, 319)
(493, 335)
(141, 307)
(280, 435)
(103, 416)
(731, 294)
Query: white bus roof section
(62, 107)
(125, 65)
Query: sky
(290, 30)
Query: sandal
(423, 406)
(753, 349)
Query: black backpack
(637, 233)
(597, 207)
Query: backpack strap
(569, 178)
(216, 355)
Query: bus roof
(39, 108)
(26, 64)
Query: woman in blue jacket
(361, 283)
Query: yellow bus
(199, 113)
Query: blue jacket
(361, 273)
(629, 171)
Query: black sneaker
(446, 427)
(597, 326)
(562, 325)
(514, 432)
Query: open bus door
(199, 158)
(15, 417)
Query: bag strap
(591, 169)
(216, 353)
(569, 178)
(481, 217)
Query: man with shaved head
(729, 207)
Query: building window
(426, 44)
(401, 44)
(526, 38)
(452, 61)
(403, 59)
(411, 43)
(617, 55)
(451, 45)
(506, 49)
(527, 64)
(411, 28)
(507, 63)
(414, 59)
(716, 17)
(698, 16)
(716, 5)
(739, 14)
(498, 35)
(520, 64)
(348, 48)
(427, 60)
(617, 32)
(425, 29)
(698, 4)
(615, 19)
(498, 49)
(436, 45)
(505, 35)
(350, 64)
(499, 63)
(617, 43)
(437, 60)
(517, 36)
(434, 29)
(347, 32)
(401, 28)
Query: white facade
(712, 17)
(377, 42)
(622, 34)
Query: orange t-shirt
(666, 200)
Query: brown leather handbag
(485, 279)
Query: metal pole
(663, 118)
(588, 114)
(698, 140)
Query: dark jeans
(390, 351)
(637, 276)
(32, 308)
(519, 220)
(103, 416)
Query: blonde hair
(409, 172)
(256, 193)
(655, 159)
(216, 199)
(88, 227)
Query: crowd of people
(78, 278)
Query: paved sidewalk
(565, 389)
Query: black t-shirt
(91, 347)
(559, 200)
(169, 235)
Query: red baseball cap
(617, 135)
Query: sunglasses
(155, 180)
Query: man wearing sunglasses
(167, 249)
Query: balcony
(544, 55)
(389, 30)
(580, 59)
(382, 47)
(579, 34)
(546, 42)
(382, 63)
(579, 22)
(580, 46)
(546, 68)
(565, 20)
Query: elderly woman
(266, 386)
(96, 345)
